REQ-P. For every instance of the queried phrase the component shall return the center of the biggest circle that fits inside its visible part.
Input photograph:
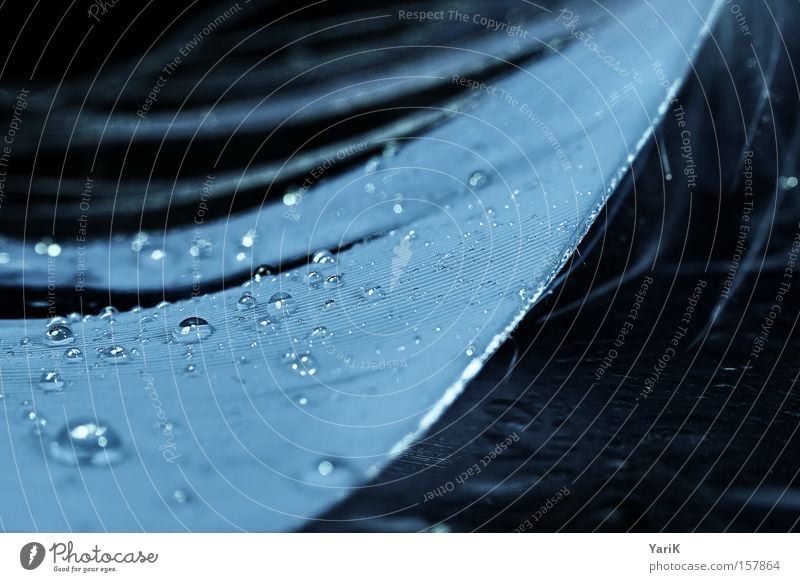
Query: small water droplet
(333, 281)
(180, 496)
(302, 364)
(282, 304)
(325, 468)
(246, 301)
(59, 335)
(302, 401)
(74, 354)
(471, 349)
(25, 341)
(478, 179)
(190, 370)
(314, 280)
(191, 330)
(116, 353)
(86, 442)
(51, 381)
(373, 293)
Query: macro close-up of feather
(447, 266)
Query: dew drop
(373, 293)
(282, 304)
(325, 468)
(109, 313)
(86, 442)
(59, 335)
(333, 281)
(51, 382)
(323, 258)
(74, 354)
(471, 349)
(191, 330)
(116, 353)
(246, 301)
(478, 179)
(314, 280)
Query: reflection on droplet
(59, 335)
(246, 301)
(191, 330)
(86, 442)
(51, 381)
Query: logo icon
(31, 555)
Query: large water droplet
(86, 442)
(59, 335)
(333, 281)
(323, 258)
(51, 381)
(282, 304)
(246, 301)
(191, 330)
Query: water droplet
(117, 353)
(59, 335)
(25, 341)
(373, 293)
(397, 208)
(109, 313)
(51, 382)
(478, 179)
(86, 442)
(369, 188)
(74, 354)
(325, 468)
(314, 280)
(191, 330)
(282, 304)
(333, 281)
(323, 258)
(471, 349)
(246, 301)
(328, 304)
(190, 370)
(180, 496)
(302, 401)
(302, 364)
